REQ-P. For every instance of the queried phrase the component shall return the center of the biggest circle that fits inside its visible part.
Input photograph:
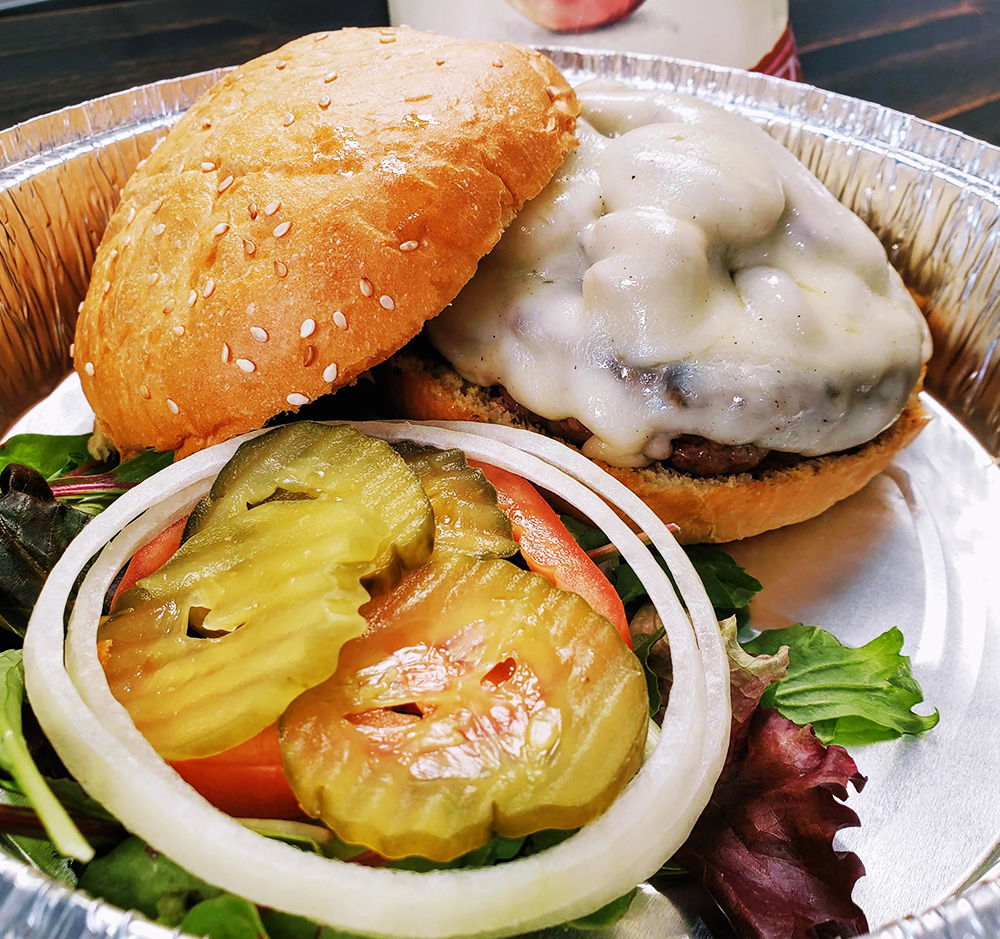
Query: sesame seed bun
(705, 508)
(303, 220)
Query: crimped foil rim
(32, 904)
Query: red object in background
(783, 60)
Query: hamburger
(688, 305)
(718, 331)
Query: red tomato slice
(246, 781)
(550, 549)
(151, 557)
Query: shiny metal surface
(916, 548)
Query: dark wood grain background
(938, 59)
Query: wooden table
(939, 59)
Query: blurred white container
(751, 34)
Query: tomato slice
(550, 549)
(151, 557)
(246, 781)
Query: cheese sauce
(685, 274)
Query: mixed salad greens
(798, 696)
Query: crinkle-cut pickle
(319, 461)
(480, 699)
(275, 593)
(467, 518)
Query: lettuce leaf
(35, 529)
(850, 696)
(52, 456)
(764, 845)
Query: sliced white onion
(96, 739)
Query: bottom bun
(704, 508)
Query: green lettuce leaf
(52, 456)
(132, 876)
(224, 917)
(850, 696)
(16, 760)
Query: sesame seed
(324, 102)
(173, 406)
(113, 254)
(131, 213)
(79, 307)
(157, 204)
(553, 92)
(307, 328)
(72, 349)
(386, 302)
(249, 246)
(159, 229)
(140, 164)
(207, 166)
(280, 65)
(296, 399)
(272, 207)
(192, 297)
(144, 391)
(209, 288)
(168, 307)
(319, 37)
(225, 352)
(281, 268)
(308, 355)
(330, 373)
(106, 287)
(258, 333)
(252, 209)
(550, 124)
(498, 63)
(225, 184)
(385, 39)
(246, 365)
(288, 119)
(220, 229)
(440, 62)
(178, 330)
(153, 278)
(126, 241)
(205, 124)
(366, 287)
(281, 229)
(329, 77)
(340, 320)
(89, 368)
(408, 246)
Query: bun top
(303, 220)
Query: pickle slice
(208, 650)
(317, 461)
(467, 518)
(480, 699)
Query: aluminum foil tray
(917, 548)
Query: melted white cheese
(685, 274)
